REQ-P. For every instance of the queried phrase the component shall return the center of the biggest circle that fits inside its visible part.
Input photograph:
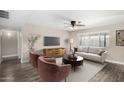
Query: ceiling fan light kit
(74, 25)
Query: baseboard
(116, 62)
(24, 61)
(9, 56)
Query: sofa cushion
(85, 49)
(93, 57)
(79, 49)
(83, 54)
(95, 50)
(82, 49)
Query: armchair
(49, 71)
(33, 59)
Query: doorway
(10, 46)
(0, 47)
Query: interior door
(9, 44)
(0, 47)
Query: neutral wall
(42, 31)
(115, 53)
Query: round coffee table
(73, 62)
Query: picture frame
(119, 37)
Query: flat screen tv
(51, 41)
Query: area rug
(84, 72)
(110, 73)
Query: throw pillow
(100, 52)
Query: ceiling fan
(74, 24)
(70, 24)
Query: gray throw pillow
(100, 52)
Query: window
(94, 39)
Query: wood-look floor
(110, 73)
(13, 71)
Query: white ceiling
(57, 18)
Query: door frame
(18, 42)
(0, 47)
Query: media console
(54, 52)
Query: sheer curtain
(94, 39)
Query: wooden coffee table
(73, 62)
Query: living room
(93, 33)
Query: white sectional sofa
(97, 54)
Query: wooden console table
(54, 52)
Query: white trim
(24, 61)
(116, 62)
(19, 44)
(9, 56)
(0, 47)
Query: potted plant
(32, 40)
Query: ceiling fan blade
(80, 25)
(67, 23)
(68, 26)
